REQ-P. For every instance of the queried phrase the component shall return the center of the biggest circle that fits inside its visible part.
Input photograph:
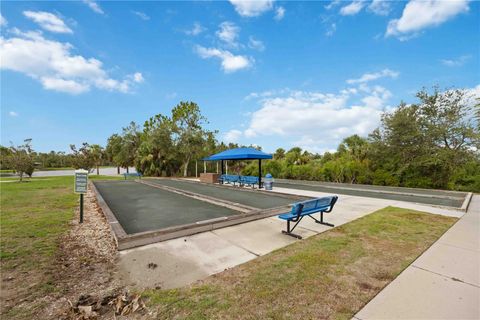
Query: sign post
(81, 183)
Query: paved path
(187, 259)
(443, 283)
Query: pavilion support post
(222, 171)
(196, 169)
(226, 166)
(204, 166)
(259, 173)
(217, 167)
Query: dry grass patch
(328, 276)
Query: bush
(384, 178)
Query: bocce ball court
(157, 209)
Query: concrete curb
(466, 202)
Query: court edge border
(125, 241)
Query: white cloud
(266, 94)
(196, 30)
(420, 14)
(457, 62)
(137, 77)
(230, 62)
(13, 114)
(279, 13)
(315, 120)
(3, 21)
(380, 7)
(63, 85)
(228, 33)
(94, 6)
(48, 21)
(255, 44)
(374, 76)
(377, 97)
(141, 15)
(55, 67)
(333, 4)
(331, 30)
(249, 8)
(232, 136)
(352, 8)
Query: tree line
(433, 143)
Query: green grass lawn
(331, 275)
(34, 214)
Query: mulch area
(85, 273)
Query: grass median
(328, 276)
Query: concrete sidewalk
(187, 259)
(443, 283)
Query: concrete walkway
(181, 261)
(443, 283)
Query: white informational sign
(81, 181)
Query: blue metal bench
(308, 208)
(249, 181)
(229, 178)
(135, 174)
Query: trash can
(268, 182)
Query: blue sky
(272, 73)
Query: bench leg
(289, 231)
(321, 220)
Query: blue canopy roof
(239, 154)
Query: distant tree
(189, 135)
(97, 155)
(355, 146)
(424, 143)
(279, 154)
(82, 157)
(131, 139)
(21, 159)
(113, 149)
(293, 156)
(5, 154)
(157, 155)
(476, 111)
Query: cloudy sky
(272, 73)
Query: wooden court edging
(115, 226)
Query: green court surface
(250, 198)
(431, 197)
(140, 208)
